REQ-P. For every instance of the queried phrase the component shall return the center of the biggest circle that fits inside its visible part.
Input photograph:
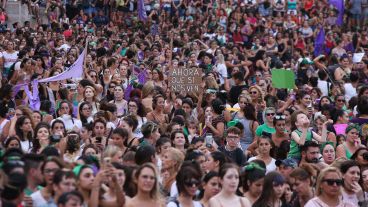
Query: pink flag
(74, 71)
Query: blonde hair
(321, 176)
(111, 151)
(211, 83)
(94, 92)
(177, 156)
(155, 192)
(147, 89)
(259, 89)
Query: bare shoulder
(213, 202)
(245, 201)
(130, 202)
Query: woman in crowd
(271, 196)
(229, 179)
(210, 187)
(352, 143)
(264, 147)
(328, 152)
(41, 138)
(253, 178)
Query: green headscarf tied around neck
(232, 123)
(353, 126)
(324, 145)
(252, 166)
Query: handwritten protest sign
(185, 79)
(283, 78)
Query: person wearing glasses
(280, 138)
(267, 128)
(328, 190)
(231, 149)
(188, 181)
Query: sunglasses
(280, 117)
(340, 100)
(192, 182)
(331, 182)
(270, 114)
(253, 92)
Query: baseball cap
(287, 162)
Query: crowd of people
(121, 136)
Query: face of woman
(287, 116)
(254, 93)
(179, 140)
(99, 129)
(123, 71)
(230, 180)
(256, 187)
(352, 136)
(242, 102)
(132, 107)
(360, 158)
(13, 144)
(43, 134)
(90, 152)
(36, 118)
(86, 110)
(326, 188)
(306, 100)
(191, 186)
(160, 103)
(269, 116)
(351, 176)
(64, 109)
(88, 93)
(328, 154)
(118, 157)
(27, 125)
(165, 147)
(365, 179)
(117, 140)
(280, 125)
(212, 187)
(126, 126)
(58, 129)
(167, 162)
(86, 178)
(121, 176)
(344, 118)
(302, 186)
(208, 112)
(155, 75)
(118, 92)
(211, 164)
(278, 190)
(264, 146)
(325, 101)
(288, 192)
(146, 180)
(49, 171)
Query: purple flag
(127, 92)
(34, 98)
(142, 15)
(319, 42)
(339, 5)
(142, 77)
(74, 71)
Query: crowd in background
(120, 136)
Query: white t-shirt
(323, 85)
(222, 70)
(10, 58)
(26, 145)
(316, 202)
(173, 204)
(38, 199)
(69, 122)
(270, 167)
(350, 91)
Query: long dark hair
(268, 194)
(80, 109)
(36, 142)
(250, 112)
(19, 131)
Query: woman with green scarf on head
(352, 143)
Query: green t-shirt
(294, 147)
(265, 128)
